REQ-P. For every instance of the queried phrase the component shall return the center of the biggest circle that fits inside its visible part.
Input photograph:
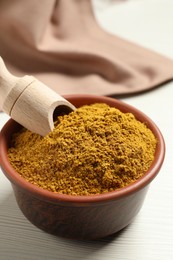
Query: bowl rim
(41, 193)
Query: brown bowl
(81, 217)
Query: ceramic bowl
(82, 217)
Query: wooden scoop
(29, 102)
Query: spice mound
(93, 150)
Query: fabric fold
(61, 43)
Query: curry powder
(92, 150)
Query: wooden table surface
(150, 236)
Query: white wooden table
(150, 236)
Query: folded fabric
(61, 43)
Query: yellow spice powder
(92, 150)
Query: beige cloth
(61, 44)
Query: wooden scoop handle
(29, 102)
